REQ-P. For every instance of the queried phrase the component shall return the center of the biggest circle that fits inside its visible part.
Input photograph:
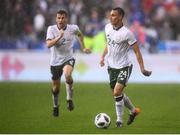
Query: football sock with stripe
(119, 105)
(55, 95)
(69, 91)
(128, 104)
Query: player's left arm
(81, 41)
(140, 60)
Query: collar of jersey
(117, 27)
(63, 28)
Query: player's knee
(118, 90)
(55, 89)
(116, 94)
(69, 81)
(67, 76)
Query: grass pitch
(27, 108)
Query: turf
(27, 108)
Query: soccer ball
(102, 120)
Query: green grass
(27, 108)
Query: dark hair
(62, 12)
(120, 11)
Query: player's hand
(86, 50)
(102, 62)
(146, 72)
(61, 33)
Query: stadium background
(24, 24)
(24, 57)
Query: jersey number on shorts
(122, 75)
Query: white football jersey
(118, 44)
(63, 50)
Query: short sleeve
(131, 38)
(49, 33)
(75, 29)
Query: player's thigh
(113, 74)
(67, 70)
(68, 67)
(118, 89)
(56, 84)
(124, 74)
(56, 72)
(120, 76)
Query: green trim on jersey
(119, 75)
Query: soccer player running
(119, 40)
(59, 39)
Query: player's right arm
(52, 42)
(103, 56)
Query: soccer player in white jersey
(119, 40)
(59, 39)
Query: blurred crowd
(23, 23)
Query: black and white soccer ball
(102, 120)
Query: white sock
(128, 104)
(119, 110)
(69, 92)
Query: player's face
(61, 20)
(115, 18)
